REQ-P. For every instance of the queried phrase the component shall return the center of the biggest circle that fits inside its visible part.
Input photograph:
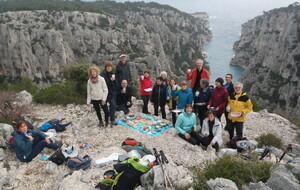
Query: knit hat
(220, 80)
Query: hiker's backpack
(79, 163)
(58, 157)
(232, 143)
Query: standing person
(186, 126)
(159, 97)
(219, 98)
(238, 107)
(145, 90)
(197, 74)
(97, 93)
(29, 143)
(172, 100)
(230, 90)
(124, 98)
(202, 96)
(212, 131)
(164, 75)
(123, 71)
(110, 79)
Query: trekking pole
(7, 104)
(160, 161)
(165, 160)
(288, 148)
(265, 153)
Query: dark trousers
(174, 115)
(112, 99)
(227, 120)
(97, 104)
(145, 99)
(238, 126)
(162, 109)
(206, 141)
(194, 139)
(201, 115)
(38, 144)
(124, 107)
(219, 115)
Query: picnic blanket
(144, 124)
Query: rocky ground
(105, 141)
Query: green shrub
(59, 94)
(269, 140)
(23, 84)
(233, 168)
(256, 107)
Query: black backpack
(58, 157)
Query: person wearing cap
(123, 71)
(229, 87)
(110, 79)
(197, 74)
(219, 98)
(238, 107)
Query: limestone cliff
(269, 50)
(37, 44)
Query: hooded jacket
(97, 91)
(193, 75)
(185, 123)
(239, 103)
(184, 97)
(219, 98)
(216, 130)
(22, 144)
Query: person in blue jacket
(186, 126)
(29, 143)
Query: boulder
(278, 153)
(296, 149)
(2, 154)
(221, 184)
(4, 177)
(6, 130)
(23, 98)
(51, 168)
(73, 181)
(256, 186)
(281, 178)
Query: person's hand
(195, 129)
(123, 91)
(241, 114)
(112, 78)
(29, 137)
(206, 134)
(168, 98)
(188, 71)
(187, 136)
(217, 108)
(47, 140)
(212, 143)
(103, 102)
(89, 105)
(128, 103)
(208, 106)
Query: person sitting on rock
(172, 100)
(145, 90)
(97, 93)
(164, 75)
(238, 107)
(124, 98)
(29, 143)
(212, 131)
(159, 97)
(186, 126)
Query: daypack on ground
(54, 124)
(58, 157)
(232, 143)
(79, 163)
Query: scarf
(94, 80)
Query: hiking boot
(114, 123)
(148, 113)
(100, 124)
(106, 124)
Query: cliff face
(269, 50)
(37, 44)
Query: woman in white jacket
(212, 131)
(97, 93)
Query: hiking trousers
(112, 99)
(162, 109)
(238, 126)
(205, 141)
(97, 104)
(194, 139)
(145, 99)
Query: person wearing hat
(219, 98)
(123, 71)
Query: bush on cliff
(269, 140)
(23, 84)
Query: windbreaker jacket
(239, 103)
(111, 85)
(185, 123)
(219, 98)
(23, 145)
(97, 91)
(193, 75)
(159, 94)
(123, 72)
(216, 130)
(184, 97)
(145, 83)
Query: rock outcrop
(37, 44)
(269, 50)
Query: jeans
(96, 104)
(238, 127)
(202, 114)
(145, 99)
(112, 106)
(162, 109)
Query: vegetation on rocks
(269, 140)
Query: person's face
(238, 89)
(218, 85)
(184, 87)
(23, 128)
(123, 59)
(164, 76)
(124, 83)
(172, 82)
(199, 64)
(228, 78)
(93, 73)
(211, 117)
(146, 74)
(189, 110)
(108, 69)
(159, 82)
(202, 85)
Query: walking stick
(161, 159)
(288, 148)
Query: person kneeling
(212, 131)
(186, 126)
(29, 143)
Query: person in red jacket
(145, 90)
(196, 75)
(219, 98)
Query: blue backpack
(79, 163)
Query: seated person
(29, 143)
(212, 131)
(124, 97)
(186, 126)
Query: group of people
(184, 103)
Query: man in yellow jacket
(239, 105)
